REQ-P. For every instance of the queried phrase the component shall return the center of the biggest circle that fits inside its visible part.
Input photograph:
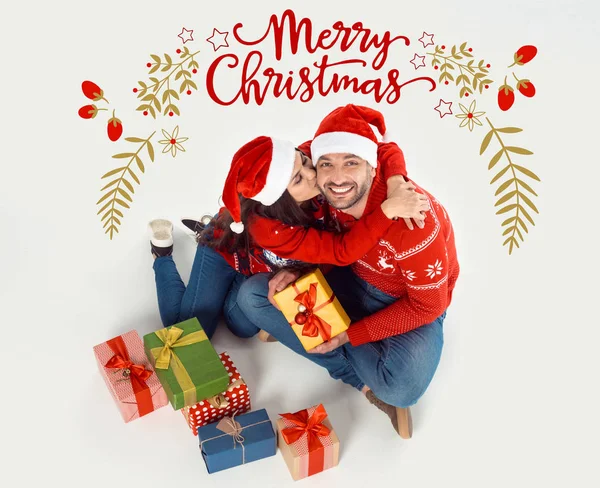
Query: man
(396, 295)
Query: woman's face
(303, 184)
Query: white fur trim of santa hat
(344, 142)
(280, 172)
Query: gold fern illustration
(513, 192)
(120, 189)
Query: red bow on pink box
(138, 375)
(311, 426)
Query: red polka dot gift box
(235, 399)
(129, 376)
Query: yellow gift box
(312, 310)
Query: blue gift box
(225, 445)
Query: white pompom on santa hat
(260, 170)
(348, 130)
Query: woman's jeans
(211, 290)
(398, 369)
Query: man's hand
(282, 279)
(334, 343)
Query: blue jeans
(212, 290)
(398, 369)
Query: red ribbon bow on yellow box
(313, 325)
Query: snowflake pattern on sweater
(419, 267)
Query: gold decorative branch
(512, 192)
(120, 189)
(150, 92)
(470, 76)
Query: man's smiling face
(344, 179)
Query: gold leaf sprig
(470, 76)
(150, 92)
(120, 189)
(513, 192)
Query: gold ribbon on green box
(166, 357)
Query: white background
(515, 398)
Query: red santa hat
(348, 130)
(261, 170)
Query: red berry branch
(525, 86)
(506, 94)
(95, 93)
(114, 128)
(523, 55)
(470, 75)
(89, 111)
(150, 93)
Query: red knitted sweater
(419, 267)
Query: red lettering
(256, 83)
(210, 78)
(278, 29)
(345, 35)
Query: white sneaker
(161, 237)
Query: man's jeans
(212, 290)
(398, 369)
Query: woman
(268, 179)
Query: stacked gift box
(179, 365)
(235, 399)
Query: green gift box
(186, 363)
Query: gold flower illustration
(172, 142)
(469, 116)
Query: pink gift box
(301, 461)
(132, 382)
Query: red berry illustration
(135, 90)
(443, 47)
(114, 128)
(194, 71)
(524, 55)
(170, 114)
(178, 51)
(92, 91)
(149, 65)
(145, 112)
(525, 87)
(89, 111)
(506, 96)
